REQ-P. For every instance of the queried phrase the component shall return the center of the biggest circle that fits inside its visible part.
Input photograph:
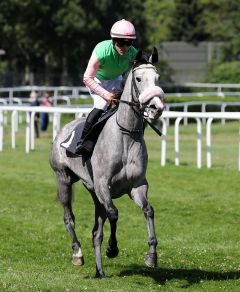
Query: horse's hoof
(112, 252)
(151, 260)
(100, 276)
(78, 261)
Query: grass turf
(196, 218)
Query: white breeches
(109, 85)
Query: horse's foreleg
(112, 214)
(139, 196)
(100, 218)
(112, 248)
(65, 197)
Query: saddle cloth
(90, 139)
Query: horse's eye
(138, 79)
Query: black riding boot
(92, 118)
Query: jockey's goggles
(123, 42)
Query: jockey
(103, 75)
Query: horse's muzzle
(155, 108)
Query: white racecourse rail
(178, 116)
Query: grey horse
(117, 165)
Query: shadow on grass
(162, 276)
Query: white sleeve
(90, 74)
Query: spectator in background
(44, 116)
(34, 101)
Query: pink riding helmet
(123, 29)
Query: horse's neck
(126, 115)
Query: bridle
(135, 105)
(135, 102)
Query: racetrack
(196, 217)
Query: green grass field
(197, 217)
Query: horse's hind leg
(139, 195)
(65, 196)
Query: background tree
(82, 24)
(27, 33)
(159, 15)
(222, 23)
(56, 37)
(188, 23)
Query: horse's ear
(154, 56)
(138, 56)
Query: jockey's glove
(117, 94)
(113, 101)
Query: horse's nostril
(152, 106)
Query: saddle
(70, 144)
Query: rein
(136, 131)
(130, 103)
